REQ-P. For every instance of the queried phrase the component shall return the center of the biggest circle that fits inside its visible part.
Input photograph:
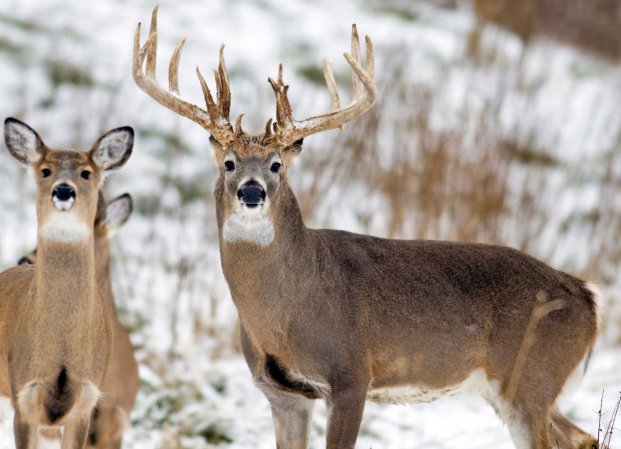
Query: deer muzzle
(63, 196)
(251, 194)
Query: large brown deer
(120, 385)
(55, 329)
(347, 317)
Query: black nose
(24, 261)
(251, 194)
(63, 192)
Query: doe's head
(68, 180)
(110, 217)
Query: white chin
(249, 225)
(63, 205)
(64, 227)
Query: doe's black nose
(251, 194)
(63, 192)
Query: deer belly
(476, 382)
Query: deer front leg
(25, 432)
(292, 415)
(75, 434)
(346, 405)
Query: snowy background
(479, 135)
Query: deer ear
(291, 152)
(22, 141)
(113, 148)
(118, 212)
(217, 150)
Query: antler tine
(283, 108)
(355, 52)
(224, 91)
(152, 55)
(140, 54)
(331, 84)
(370, 67)
(329, 77)
(211, 105)
(238, 126)
(173, 68)
(362, 75)
(268, 128)
(288, 131)
(214, 119)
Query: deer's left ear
(113, 148)
(291, 152)
(118, 211)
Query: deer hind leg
(527, 430)
(526, 417)
(108, 423)
(568, 435)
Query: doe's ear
(113, 148)
(118, 212)
(22, 141)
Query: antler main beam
(285, 130)
(216, 118)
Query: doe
(55, 329)
(110, 417)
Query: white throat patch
(65, 227)
(249, 226)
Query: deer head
(68, 181)
(252, 168)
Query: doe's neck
(65, 271)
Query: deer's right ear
(217, 150)
(117, 212)
(22, 141)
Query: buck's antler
(286, 130)
(216, 118)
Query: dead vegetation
(589, 24)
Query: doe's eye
(275, 167)
(46, 172)
(229, 165)
(85, 174)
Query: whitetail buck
(347, 317)
(120, 384)
(55, 329)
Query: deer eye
(85, 174)
(275, 167)
(229, 165)
(46, 172)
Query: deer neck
(102, 268)
(256, 272)
(65, 279)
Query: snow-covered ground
(65, 69)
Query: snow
(166, 268)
